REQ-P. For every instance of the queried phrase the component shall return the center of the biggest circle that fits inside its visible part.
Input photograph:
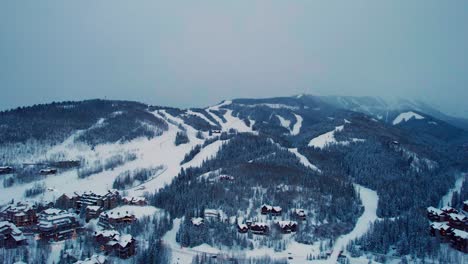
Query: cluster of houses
(262, 228)
(450, 225)
(111, 241)
(49, 223)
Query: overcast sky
(197, 53)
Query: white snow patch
(406, 117)
(304, 160)
(273, 106)
(205, 153)
(297, 126)
(284, 122)
(325, 139)
(137, 211)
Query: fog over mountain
(194, 54)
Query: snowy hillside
(294, 179)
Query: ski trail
(370, 201)
(447, 199)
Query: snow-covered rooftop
(197, 221)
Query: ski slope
(370, 201)
(406, 116)
(325, 139)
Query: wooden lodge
(92, 211)
(58, 226)
(112, 219)
(242, 228)
(20, 214)
(299, 214)
(459, 240)
(79, 201)
(10, 235)
(287, 227)
(141, 201)
(458, 221)
(440, 229)
(435, 214)
(260, 228)
(273, 210)
(67, 200)
(122, 246)
(104, 236)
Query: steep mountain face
(331, 157)
(388, 110)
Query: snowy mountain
(292, 178)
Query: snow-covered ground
(297, 251)
(137, 211)
(325, 139)
(284, 122)
(296, 129)
(404, 117)
(297, 126)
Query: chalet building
(93, 211)
(6, 169)
(104, 236)
(458, 221)
(50, 212)
(273, 210)
(112, 219)
(276, 210)
(48, 171)
(465, 206)
(216, 131)
(449, 210)
(94, 259)
(459, 240)
(287, 226)
(299, 214)
(266, 209)
(10, 235)
(259, 228)
(242, 228)
(67, 200)
(211, 214)
(197, 221)
(134, 200)
(440, 230)
(20, 214)
(435, 214)
(110, 241)
(58, 227)
(107, 200)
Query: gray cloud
(196, 53)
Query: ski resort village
(301, 179)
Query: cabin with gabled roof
(10, 235)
